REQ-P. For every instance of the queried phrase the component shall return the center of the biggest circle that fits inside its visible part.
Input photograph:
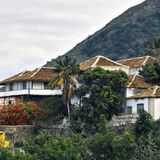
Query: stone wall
(16, 133)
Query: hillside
(125, 36)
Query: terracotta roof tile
(137, 61)
(39, 74)
(150, 92)
(98, 61)
(138, 81)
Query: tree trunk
(69, 113)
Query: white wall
(114, 68)
(132, 91)
(151, 105)
(157, 108)
(134, 102)
(134, 70)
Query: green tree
(53, 109)
(48, 147)
(100, 93)
(144, 124)
(151, 72)
(110, 146)
(66, 78)
(146, 149)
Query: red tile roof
(137, 62)
(148, 93)
(98, 61)
(137, 81)
(39, 74)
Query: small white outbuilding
(148, 100)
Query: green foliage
(100, 93)
(145, 149)
(54, 109)
(102, 128)
(8, 155)
(144, 124)
(151, 72)
(48, 147)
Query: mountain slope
(125, 36)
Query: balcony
(39, 92)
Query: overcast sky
(35, 31)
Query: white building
(33, 85)
(136, 84)
(103, 62)
(27, 86)
(135, 64)
(148, 100)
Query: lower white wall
(134, 102)
(132, 91)
(157, 108)
(114, 68)
(134, 70)
(151, 105)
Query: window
(140, 107)
(24, 85)
(129, 109)
(10, 86)
(46, 85)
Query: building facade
(28, 86)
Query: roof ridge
(48, 67)
(21, 74)
(134, 58)
(145, 60)
(98, 57)
(132, 80)
(155, 90)
(38, 69)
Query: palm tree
(66, 78)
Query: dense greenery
(151, 72)
(100, 93)
(125, 36)
(53, 109)
(107, 145)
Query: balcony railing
(45, 92)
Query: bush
(53, 108)
(20, 114)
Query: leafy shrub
(19, 114)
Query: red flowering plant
(20, 114)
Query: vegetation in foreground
(141, 143)
(91, 138)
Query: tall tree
(100, 93)
(67, 70)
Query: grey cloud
(35, 31)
